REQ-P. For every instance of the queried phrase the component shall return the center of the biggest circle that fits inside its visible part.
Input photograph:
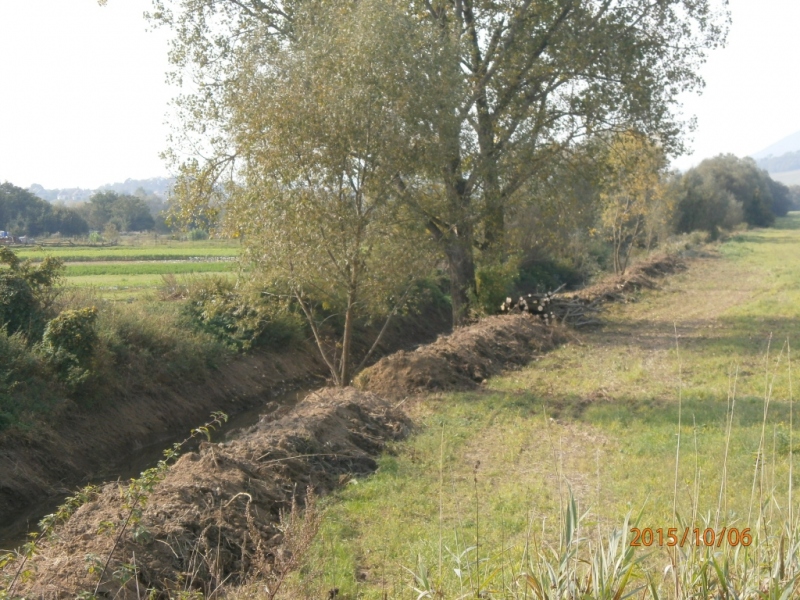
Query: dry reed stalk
(723, 488)
(680, 416)
(791, 431)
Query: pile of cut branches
(553, 307)
(580, 309)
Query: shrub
(723, 191)
(26, 293)
(239, 319)
(18, 310)
(197, 235)
(21, 385)
(547, 275)
(154, 338)
(69, 343)
(494, 283)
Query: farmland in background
(136, 267)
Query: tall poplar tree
(306, 171)
(503, 89)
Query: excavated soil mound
(200, 524)
(76, 443)
(463, 359)
(641, 275)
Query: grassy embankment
(142, 341)
(598, 416)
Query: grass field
(142, 252)
(136, 267)
(488, 477)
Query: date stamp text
(692, 536)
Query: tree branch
(308, 311)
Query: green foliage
(196, 234)
(449, 108)
(18, 310)
(781, 198)
(239, 319)
(794, 197)
(22, 384)
(26, 293)
(634, 197)
(23, 213)
(124, 211)
(111, 233)
(547, 275)
(495, 282)
(69, 344)
(325, 223)
(151, 341)
(724, 191)
(141, 344)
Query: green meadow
(142, 251)
(136, 268)
(676, 412)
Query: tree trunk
(347, 339)
(461, 264)
(494, 219)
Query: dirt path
(595, 417)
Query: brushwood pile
(551, 308)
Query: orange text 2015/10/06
(690, 536)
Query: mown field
(485, 483)
(137, 266)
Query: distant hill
(787, 178)
(788, 144)
(65, 195)
(780, 164)
(158, 186)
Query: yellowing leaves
(634, 196)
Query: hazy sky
(83, 100)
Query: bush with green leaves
(722, 192)
(18, 310)
(495, 282)
(23, 384)
(240, 319)
(27, 293)
(196, 235)
(69, 343)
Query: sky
(84, 101)
(83, 97)
(752, 95)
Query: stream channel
(132, 464)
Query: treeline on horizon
(720, 193)
(789, 161)
(22, 213)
